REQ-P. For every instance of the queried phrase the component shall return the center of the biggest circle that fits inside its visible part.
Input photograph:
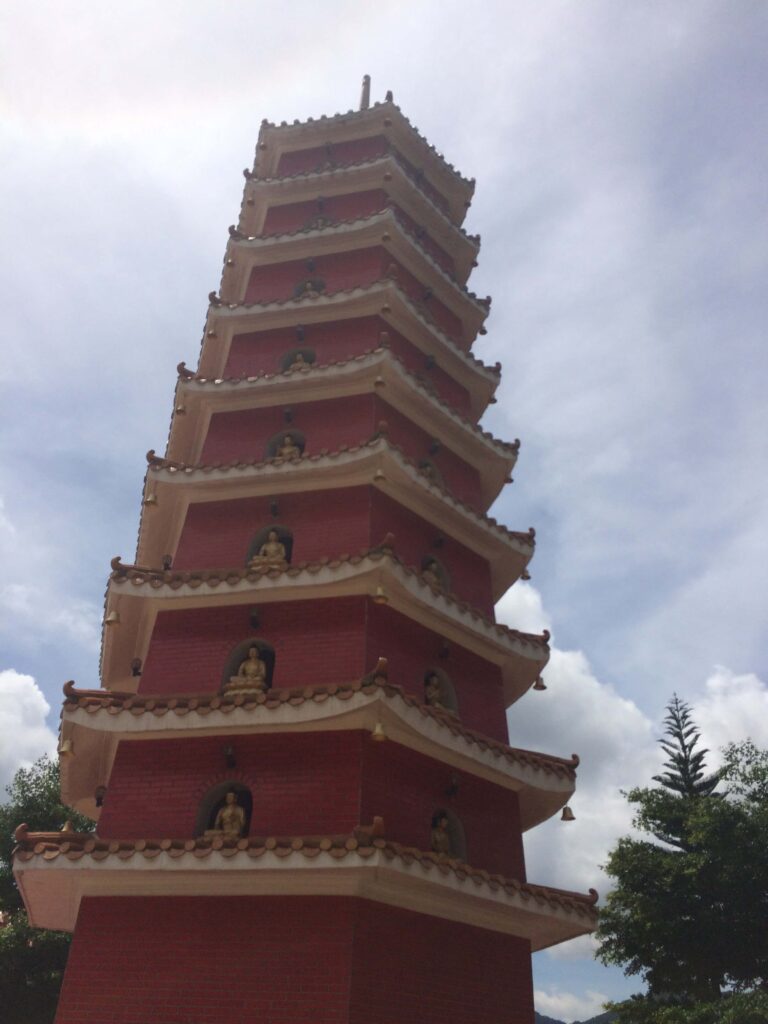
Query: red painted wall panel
(354, 151)
(470, 575)
(441, 972)
(262, 352)
(294, 216)
(217, 534)
(301, 784)
(406, 788)
(412, 650)
(324, 960)
(315, 641)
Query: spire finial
(365, 95)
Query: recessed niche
(435, 573)
(266, 653)
(279, 446)
(261, 549)
(456, 844)
(439, 691)
(429, 470)
(216, 798)
(297, 358)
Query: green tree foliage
(31, 960)
(689, 909)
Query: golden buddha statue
(431, 574)
(230, 821)
(299, 362)
(432, 691)
(440, 836)
(251, 676)
(270, 554)
(288, 449)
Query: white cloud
(618, 746)
(732, 707)
(568, 1007)
(25, 735)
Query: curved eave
(521, 657)
(376, 464)
(382, 119)
(384, 229)
(382, 173)
(54, 876)
(544, 785)
(383, 299)
(376, 372)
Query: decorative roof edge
(116, 702)
(186, 375)
(156, 578)
(361, 842)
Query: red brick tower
(322, 505)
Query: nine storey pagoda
(306, 806)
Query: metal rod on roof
(365, 95)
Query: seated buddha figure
(270, 554)
(432, 692)
(431, 574)
(440, 836)
(288, 449)
(251, 675)
(299, 362)
(230, 821)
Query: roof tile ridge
(482, 304)
(338, 364)
(356, 164)
(523, 537)
(296, 695)
(233, 575)
(363, 289)
(353, 115)
(527, 538)
(74, 844)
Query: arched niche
(455, 831)
(240, 653)
(284, 535)
(306, 354)
(214, 800)
(429, 470)
(309, 288)
(433, 571)
(277, 440)
(446, 693)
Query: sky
(620, 155)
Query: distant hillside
(602, 1018)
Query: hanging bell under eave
(567, 814)
(378, 735)
(539, 684)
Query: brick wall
(470, 575)
(263, 351)
(460, 478)
(293, 216)
(341, 271)
(301, 783)
(317, 641)
(217, 534)
(412, 650)
(406, 788)
(353, 151)
(277, 960)
(412, 969)
(244, 436)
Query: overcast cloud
(620, 154)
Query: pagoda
(305, 801)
